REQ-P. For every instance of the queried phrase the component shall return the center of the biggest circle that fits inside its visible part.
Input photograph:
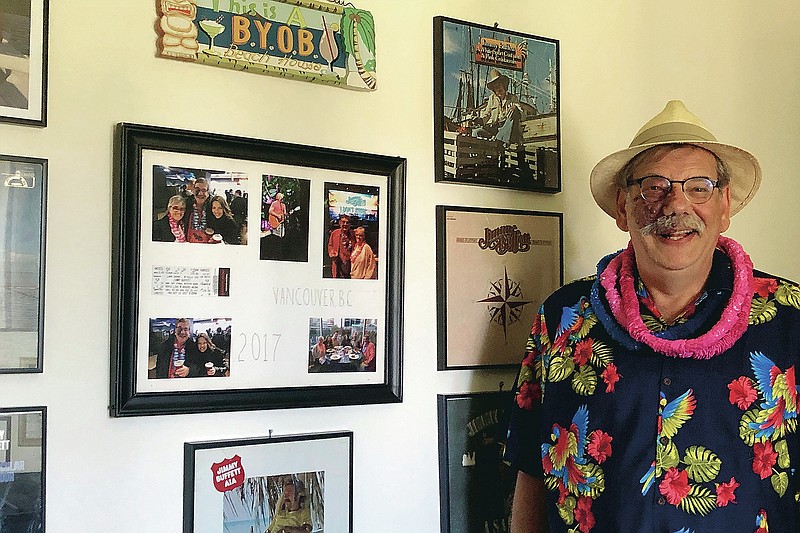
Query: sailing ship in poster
(474, 58)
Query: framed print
(331, 42)
(253, 274)
(270, 483)
(476, 486)
(23, 61)
(496, 107)
(22, 470)
(23, 193)
(495, 267)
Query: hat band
(673, 132)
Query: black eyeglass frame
(714, 185)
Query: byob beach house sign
(318, 41)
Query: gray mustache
(670, 223)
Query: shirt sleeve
(523, 445)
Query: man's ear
(726, 215)
(622, 215)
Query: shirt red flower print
(765, 286)
(528, 394)
(583, 514)
(583, 351)
(610, 377)
(600, 445)
(675, 485)
(765, 458)
(742, 394)
(725, 493)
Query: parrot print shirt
(633, 440)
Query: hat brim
(744, 170)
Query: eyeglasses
(656, 188)
(181, 328)
(200, 189)
(177, 208)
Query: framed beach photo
(496, 107)
(495, 267)
(23, 61)
(476, 487)
(22, 468)
(253, 274)
(267, 484)
(23, 196)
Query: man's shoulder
(572, 292)
(761, 277)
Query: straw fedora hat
(676, 124)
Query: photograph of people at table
(284, 218)
(342, 345)
(285, 503)
(189, 348)
(214, 205)
(351, 232)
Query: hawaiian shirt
(628, 439)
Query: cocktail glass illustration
(212, 29)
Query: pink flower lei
(618, 281)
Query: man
(239, 208)
(339, 248)
(292, 514)
(660, 395)
(277, 215)
(502, 113)
(197, 212)
(178, 356)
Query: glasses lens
(698, 190)
(655, 188)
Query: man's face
(182, 331)
(677, 248)
(200, 193)
(344, 222)
(290, 497)
(500, 90)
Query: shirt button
(664, 440)
(661, 500)
(667, 382)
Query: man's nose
(676, 201)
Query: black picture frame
(23, 57)
(23, 197)
(129, 399)
(320, 465)
(471, 145)
(486, 257)
(476, 487)
(22, 507)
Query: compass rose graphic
(505, 301)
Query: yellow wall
(734, 63)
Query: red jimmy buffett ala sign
(228, 474)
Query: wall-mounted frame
(253, 306)
(268, 483)
(22, 472)
(23, 61)
(496, 107)
(23, 197)
(476, 487)
(494, 268)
